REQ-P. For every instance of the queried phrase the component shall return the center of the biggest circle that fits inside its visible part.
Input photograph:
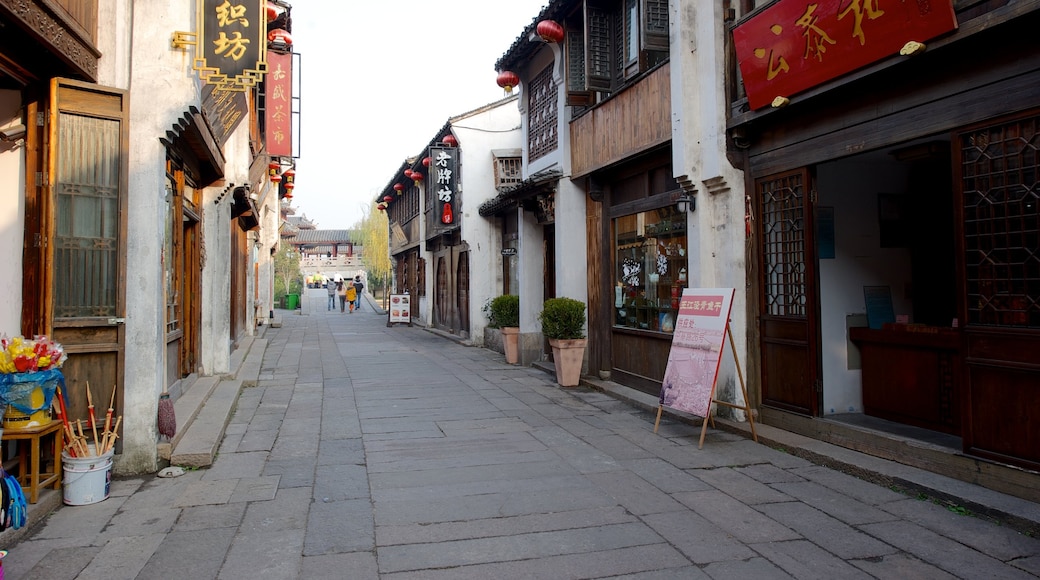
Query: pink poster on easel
(693, 362)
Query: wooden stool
(30, 473)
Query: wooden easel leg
(658, 421)
(743, 387)
(704, 427)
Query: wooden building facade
(905, 193)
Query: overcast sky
(379, 80)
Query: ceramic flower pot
(511, 342)
(568, 356)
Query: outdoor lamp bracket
(686, 202)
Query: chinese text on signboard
(795, 44)
(693, 362)
(444, 174)
(277, 103)
(231, 43)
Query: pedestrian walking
(351, 296)
(341, 291)
(332, 295)
(358, 287)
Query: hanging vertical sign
(231, 43)
(278, 99)
(444, 173)
(693, 362)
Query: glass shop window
(650, 269)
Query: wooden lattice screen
(1000, 176)
(542, 136)
(783, 245)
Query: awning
(539, 183)
(193, 141)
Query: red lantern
(550, 31)
(381, 207)
(290, 178)
(272, 172)
(272, 11)
(450, 141)
(280, 36)
(426, 161)
(388, 198)
(288, 195)
(508, 79)
(418, 177)
(399, 188)
(408, 173)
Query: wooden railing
(82, 14)
(632, 121)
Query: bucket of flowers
(29, 377)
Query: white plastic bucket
(87, 479)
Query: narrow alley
(372, 452)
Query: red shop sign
(794, 44)
(278, 107)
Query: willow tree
(374, 231)
(287, 275)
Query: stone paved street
(372, 452)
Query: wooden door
(788, 303)
(996, 168)
(462, 294)
(191, 290)
(173, 268)
(84, 275)
(239, 276)
(442, 296)
(548, 273)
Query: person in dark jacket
(358, 287)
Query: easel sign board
(693, 361)
(400, 309)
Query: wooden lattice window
(508, 171)
(783, 245)
(1000, 180)
(86, 231)
(542, 135)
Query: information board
(400, 308)
(693, 362)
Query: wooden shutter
(578, 94)
(653, 17)
(599, 53)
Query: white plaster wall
(496, 126)
(570, 223)
(716, 229)
(267, 204)
(851, 188)
(161, 88)
(215, 336)
(12, 220)
(530, 270)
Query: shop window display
(650, 269)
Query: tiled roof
(522, 48)
(325, 237)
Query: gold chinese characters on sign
(231, 44)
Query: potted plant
(505, 314)
(563, 323)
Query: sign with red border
(278, 104)
(795, 44)
(693, 361)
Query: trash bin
(292, 301)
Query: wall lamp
(686, 203)
(12, 132)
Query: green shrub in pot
(563, 319)
(504, 311)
